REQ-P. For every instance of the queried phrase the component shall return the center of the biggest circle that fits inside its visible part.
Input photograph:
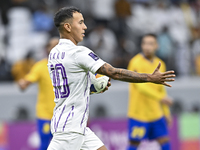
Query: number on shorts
(138, 132)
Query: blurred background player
(22, 67)
(45, 103)
(148, 109)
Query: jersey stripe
(59, 118)
(68, 117)
(87, 104)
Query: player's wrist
(150, 78)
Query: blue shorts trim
(138, 130)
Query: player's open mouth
(83, 34)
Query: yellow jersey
(45, 101)
(144, 98)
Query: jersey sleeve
(88, 60)
(34, 74)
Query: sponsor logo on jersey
(94, 56)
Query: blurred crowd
(115, 28)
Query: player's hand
(167, 101)
(23, 84)
(161, 78)
(169, 120)
(108, 85)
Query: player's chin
(80, 39)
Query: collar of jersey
(65, 41)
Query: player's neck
(149, 58)
(67, 36)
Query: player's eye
(81, 22)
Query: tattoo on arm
(122, 74)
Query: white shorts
(75, 141)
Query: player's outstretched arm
(134, 77)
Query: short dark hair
(150, 34)
(64, 13)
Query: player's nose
(84, 27)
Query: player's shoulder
(82, 49)
(133, 63)
(138, 57)
(41, 63)
(163, 65)
(159, 60)
(85, 54)
(54, 49)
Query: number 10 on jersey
(60, 83)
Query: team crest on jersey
(94, 56)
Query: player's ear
(67, 27)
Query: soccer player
(148, 110)
(45, 103)
(70, 67)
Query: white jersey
(70, 67)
